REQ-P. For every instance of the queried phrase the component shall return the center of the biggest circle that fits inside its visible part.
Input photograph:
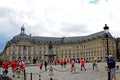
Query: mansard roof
(40, 39)
(85, 38)
(21, 37)
(57, 40)
(118, 39)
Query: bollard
(51, 78)
(25, 75)
(39, 77)
(31, 76)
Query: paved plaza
(64, 73)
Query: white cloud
(60, 17)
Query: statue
(50, 46)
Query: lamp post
(106, 30)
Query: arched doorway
(34, 60)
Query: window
(13, 52)
(19, 52)
(29, 52)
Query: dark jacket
(111, 63)
(45, 63)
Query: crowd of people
(16, 66)
(64, 62)
(111, 65)
(19, 66)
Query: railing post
(31, 76)
(39, 77)
(24, 75)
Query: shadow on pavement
(4, 78)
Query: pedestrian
(83, 64)
(5, 66)
(72, 65)
(112, 67)
(40, 65)
(13, 66)
(20, 62)
(55, 61)
(45, 64)
(65, 62)
(62, 62)
(94, 64)
(22, 67)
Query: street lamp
(106, 30)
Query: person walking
(112, 67)
(94, 64)
(55, 61)
(65, 62)
(20, 68)
(72, 65)
(5, 66)
(45, 64)
(13, 66)
(40, 65)
(83, 64)
(62, 62)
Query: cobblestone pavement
(64, 73)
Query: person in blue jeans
(112, 67)
(94, 64)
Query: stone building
(118, 49)
(33, 48)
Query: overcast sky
(57, 18)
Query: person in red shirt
(83, 64)
(22, 67)
(55, 61)
(70, 60)
(5, 66)
(41, 65)
(14, 66)
(72, 65)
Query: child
(72, 65)
(40, 66)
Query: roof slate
(57, 40)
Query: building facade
(118, 49)
(34, 48)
